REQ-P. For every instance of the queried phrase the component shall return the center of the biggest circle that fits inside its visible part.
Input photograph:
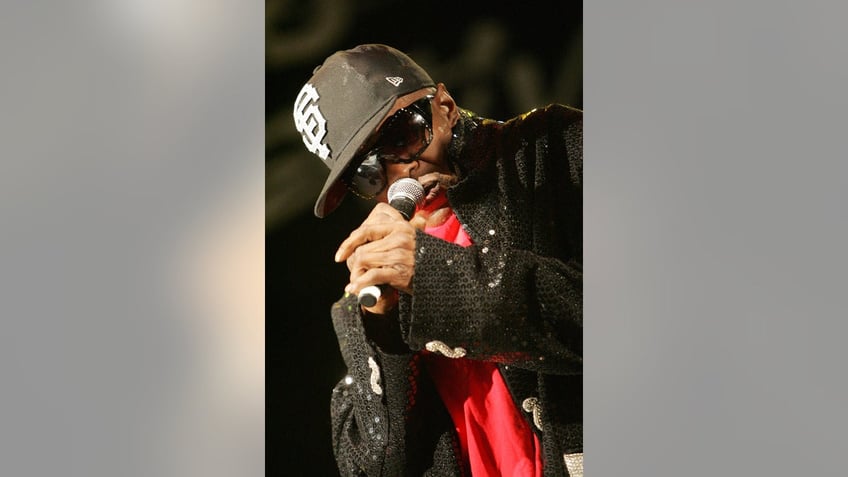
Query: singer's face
(431, 167)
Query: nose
(400, 169)
(411, 167)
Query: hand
(436, 183)
(380, 251)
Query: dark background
(497, 59)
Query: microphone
(404, 195)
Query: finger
(398, 246)
(418, 221)
(383, 211)
(360, 263)
(367, 232)
(399, 277)
(398, 237)
(361, 236)
(382, 214)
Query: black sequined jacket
(514, 297)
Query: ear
(446, 104)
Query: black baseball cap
(343, 102)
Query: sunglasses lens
(368, 179)
(405, 135)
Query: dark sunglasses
(402, 139)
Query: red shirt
(495, 438)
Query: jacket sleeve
(514, 299)
(508, 306)
(385, 420)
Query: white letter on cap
(309, 121)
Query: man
(470, 362)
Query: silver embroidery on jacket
(531, 404)
(375, 376)
(439, 347)
(574, 464)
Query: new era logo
(395, 80)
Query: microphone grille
(408, 188)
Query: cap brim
(334, 189)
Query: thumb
(418, 221)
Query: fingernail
(336, 257)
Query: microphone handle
(404, 205)
(369, 295)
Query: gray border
(715, 228)
(132, 228)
